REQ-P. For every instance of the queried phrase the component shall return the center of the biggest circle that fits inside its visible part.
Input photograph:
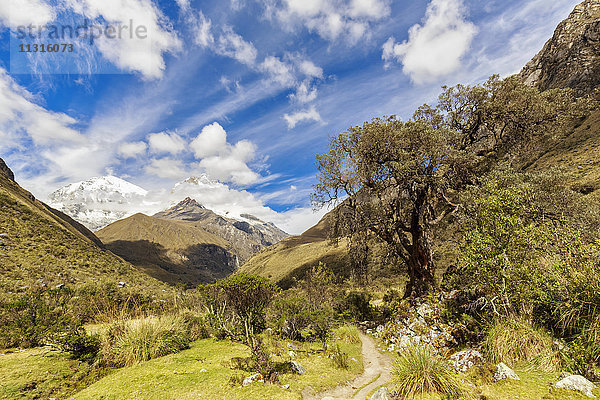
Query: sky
(244, 92)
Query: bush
(289, 317)
(514, 340)
(82, 346)
(130, 342)
(418, 370)
(356, 306)
(35, 318)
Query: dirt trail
(377, 372)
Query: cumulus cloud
(435, 47)
(309, 69)
(132, 52)
(166, 142)
(221, 160)
(167, 168)
(302, 116)
(305, 93)
(15, 13)
(347, 19)
(278, 71)
(232, 45)
(132, 150)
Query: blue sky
(244, 91)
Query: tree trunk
(420, 265)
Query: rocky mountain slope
(571, 58)
(188, 243)
(98, 202)
(42, 247)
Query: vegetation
(418, 370)
(402, 178)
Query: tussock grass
(348, 334)
(130, 342)
(418, 371)
(516, 340)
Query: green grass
(40, 373)
(516, 340)
(178, 376)
(418, 370)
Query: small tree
(247, 297)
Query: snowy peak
(99, 201)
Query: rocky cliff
(571, 58)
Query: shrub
(348, 334)
(289, 317)
(356, 306)
(35, 318)
(130, 342)
(82, 346)
(419, 370)
(515, 339)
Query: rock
(253, 378)
(291, 354)
(297, 368)
(202, 371)
(60, 286)
(466, 359)
(381, 394)
(425, 310)
(122, 284)
(570, 57)
(576, 383)
(504, 372)
(564, 375)
(285, 387)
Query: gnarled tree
(400, 179)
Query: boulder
(297, 368)
(466, 359)
(576, 383)
(504, 372)
(381, 394)
(253, 378)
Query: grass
(40, 373)
(39, 247)
(516, 340)
(131, 342)
(179, 376)
(418, 371)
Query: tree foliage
(398, 180)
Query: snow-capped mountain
(98, 202)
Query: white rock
(381, 394)
(504, 372)
(576, 383)
(466, 359)
(292, 354)
(253, 378)
(299, 369)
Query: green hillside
(42, 247)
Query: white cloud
(309, 69)
(166, 168)
(330, 19)
(132, 150)
(435, 48)
(232, 45)
(165, 142)
(15, 13)
(133, 52)
(278, 71)
(308, 115)
(304, 93)
(222, 161)
(20, 116)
